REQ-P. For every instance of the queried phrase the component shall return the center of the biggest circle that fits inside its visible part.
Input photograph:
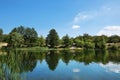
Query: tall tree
(66, 41)
(52, 39)
(1, 33)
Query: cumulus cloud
(112, 67)
(110, 30)
(75, 27)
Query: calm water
(60, 65)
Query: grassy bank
(46, 48)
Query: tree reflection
(52, 60)
(14, 63)
(66, 56)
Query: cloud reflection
(112, 67)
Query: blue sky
(72, 17)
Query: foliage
(67, 42)
(29, 38)
(29, 35)
(15, 40)
(114, 39)
(1, 31)
(52, 39)
(89, 45)
(87, 38)
(1, 34)
(41, 41)
(100, 42)
(78, 41)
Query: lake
(60, 65)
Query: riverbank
(46, 48)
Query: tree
(1, 34)
(52, 60)
(52, 39)
(29, 35)
(41, 41)
(88, 41)
(89, 45)
(87, 38)
(100, 42)
(114, 39)
(78, 41)
(15, 40)
(1, 31)
(66, 41)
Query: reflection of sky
(112, 67)
(74, 71)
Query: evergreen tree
(52, 39)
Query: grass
(37, 48)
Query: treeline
(27, 37)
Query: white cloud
(81, 16)
(110, 30)
(112, 67)
(75, 27)
(113, 28)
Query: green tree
(78, 41)
(88, 41)
(29, 35)
(89, 45)
(41, 41)
(1, 34)
(100, 42)
(87, 38)
(52, 39)
(1, 31)
(15, 40)
(114, 39)
(66, 41)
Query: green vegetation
(1, 33)
(66, 41)
(25, 37)
(52, 39)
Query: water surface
(60, 65)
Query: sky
(72, 17)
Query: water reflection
(15, 63)
(52, 59)
(112, 67)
